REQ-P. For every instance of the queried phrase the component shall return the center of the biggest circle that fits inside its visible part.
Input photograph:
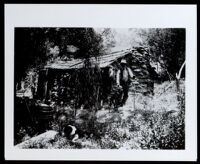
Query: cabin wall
(71, 87)
(141, 68)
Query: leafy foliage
(167, 47)
(143, 129)
(33, 46)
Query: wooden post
(46, 85)
(133, 104)
(42, 85)
(134, 98)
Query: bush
(165, 130)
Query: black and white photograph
(99, 88)
(109, 82)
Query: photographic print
(99, 88)
(100, 82)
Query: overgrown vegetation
(151, 125)
(143, 128)
(47, 44)
(167, 47)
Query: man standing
(124, 75)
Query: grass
(155, 123)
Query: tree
(108, 36)
(167, 47)
(88, 42)
(29, 49)
(32, 46)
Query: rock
(44, 137)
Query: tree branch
(178, 76)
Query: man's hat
(123, 61)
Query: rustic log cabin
(58, 79)
(68, 83)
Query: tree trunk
(178, 76)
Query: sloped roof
(102, 61)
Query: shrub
(164, 131)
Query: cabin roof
(102, 61)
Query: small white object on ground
(76, 137)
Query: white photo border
(113, 16)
